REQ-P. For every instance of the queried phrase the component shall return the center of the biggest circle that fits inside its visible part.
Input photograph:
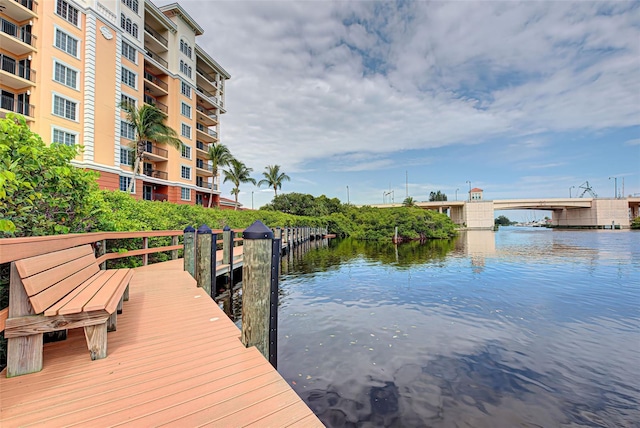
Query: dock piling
(190, 250)
(203, 256)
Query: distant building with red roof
(475, 194)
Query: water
(523, 327)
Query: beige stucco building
(67, 65)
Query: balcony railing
(26, 3)
(155, 35)
(207, 95)
(10, 65)
(206, 77)
(200, 164)
(156, 174)
(207, 113)
(152, 101)
(157, 58)
(11, 104)
(152, 148)
(153, 79)
(160, 197)
(15, 31)
(202, 146)
(206, 130)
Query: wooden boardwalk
(175, 360)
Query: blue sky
(521, 99)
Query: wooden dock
(175, 360)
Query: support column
(190, 250)
(203, 257)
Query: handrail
(155, 35)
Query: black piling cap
(189, 229)
(204, 230)
(226, 228)
(257, 231)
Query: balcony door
(147, 192)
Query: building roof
(176, 9)
(227, 201)
(476, 189)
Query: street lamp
(572, 187)
(469, 182)
(251, 199)
(457, 194)
(347, 195)
(615, 184)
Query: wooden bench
(58, 291)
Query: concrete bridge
(588, 213)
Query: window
(131, 4)
(63, 137)
(124, 184)
(186, 131)
(185, 48)
(127, 130)
(64, 107)
(66, 43)
(66, 11)
(129, 52)
(128, 77)
(186, 110)
(65, 75)
(186, 90)
(185, 69)
(185, 172)
(185, 194)
(129, 26)
(126, 99)
(126, 156)
(186, 151)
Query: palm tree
(409, 202)
(148, 124)
(238, 173)
(273, 178)
(219, 155)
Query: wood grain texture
(4, 314)
(33, 265)
(24, 326)
(96, 336)
(159, 368)
(50, 296)
(37, 283)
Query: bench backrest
(49, 277)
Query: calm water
(523, 327)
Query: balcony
(15, 75)
(204, 80)
(19, 10)
(154, 85)
(155, 39)
(9, 104)
(148, 99)
(203, 169)
(157, 58)
(204, 185)
(207, 117)
(155, 153)
(156, 174)
(207, 98)
(205, 134)
(15, 39)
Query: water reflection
(517, 327)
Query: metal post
(276, 250)
(214, 263)
(190, 250)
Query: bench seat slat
(37, 283)
(41, 301)
(53, 310)
(34, 265)
(112, 305)
(76, 304)
(103, 296)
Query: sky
(357, 98)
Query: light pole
(383, 195)
(251, 199)
(572, 187)
(469, 182)
(347, 195)
(457, 194)
(615, 188)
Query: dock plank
(175, 359)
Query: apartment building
(66, 66)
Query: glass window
(186, 131)
(64, 107)
(186, 151)
(128, 100)
(128, 77)
(129, 52)
(124, 184)
(185, 194)
(126, 156)
(63, 137)
(186, 110)
(185, 172)
(127, 130)
(65, 75)
(66, 11)
(186, 90)
(131, 4)
(66, 43)
(129, 26)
